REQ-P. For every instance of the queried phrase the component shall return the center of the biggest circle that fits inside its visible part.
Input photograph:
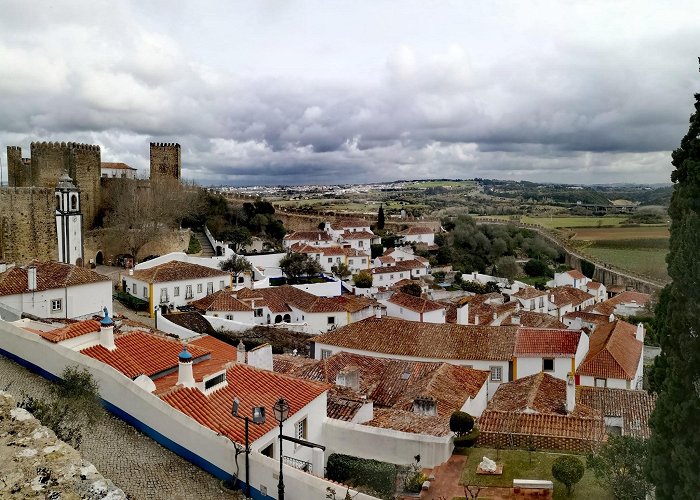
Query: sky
(323, 92)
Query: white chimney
(31, 278)
(107, 332)
(640, 332)
(463, 314)
(570, 392)
(185, 376)
(240, 352)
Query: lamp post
(281, 410)
(258, 418)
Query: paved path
(134, 462)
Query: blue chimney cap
(106, 321)
(185, 354)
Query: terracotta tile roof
(140, 353)
(529, 292)
(613, 352)
(634, 407)
(627, 297)
(176, 270)
(253, 387)
(416, 230)
(426, 340)
(417, 304)
(576, 274)
(564, 295)
(407, 421)
(357, 235)
(221, 300)
(69, 331)
(532, 319)
(116, 166)
(309, 236)
(547, 342)
(49, 275)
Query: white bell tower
(69, 221)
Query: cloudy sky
(294, 92)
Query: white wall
(387, 445)
(135, 403)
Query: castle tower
(165, 161)
(69, 222)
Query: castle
(28, 206)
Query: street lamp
(258, 418)
(281, 410)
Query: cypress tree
(380, 217)
(674, 446)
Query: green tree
(236, 265)
(295, 265)
(619, 466)
(674, 446)
(569, 470)
(363, 279)
(380, 218)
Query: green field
(517, 466)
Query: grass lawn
(647, 261)
(517, 466)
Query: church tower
(69, 222)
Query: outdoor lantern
(281, 410)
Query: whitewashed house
(54, 290)
(411, 308)
(615, 357)
(173, 284)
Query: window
(221, 285)
(600, 382)
(210, 287)
(548, 365)
(199, 288)
(300, 429)
(496, 374)
(331, 320)
(326, 353)
(56, 305)
(176, 291)
(145, 292)
(188, 291)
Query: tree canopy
(674, 446)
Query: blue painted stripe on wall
(149, 431)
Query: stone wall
(27, 224)
(165, 160)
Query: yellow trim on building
(150, 300)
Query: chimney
(425, 405)
(31, 278)
(640, 332)
(185, 376)
(107, 332)
(463, 314)
(349, 377)
(240, 352)
(570, 392)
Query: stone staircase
(207, 249)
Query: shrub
(468, 440)
(569, 470)
(461, 423)
(379, 476)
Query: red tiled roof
(140, 353)
(613, 352)
(417, 304)
(253, 387)
(176, 270)
(69, 331)
(540, 341)
(49, 275)
(426, 340)
(116, 166)
(221, 300)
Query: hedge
(354, 471)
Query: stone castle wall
(165, 160)
(27, 224)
